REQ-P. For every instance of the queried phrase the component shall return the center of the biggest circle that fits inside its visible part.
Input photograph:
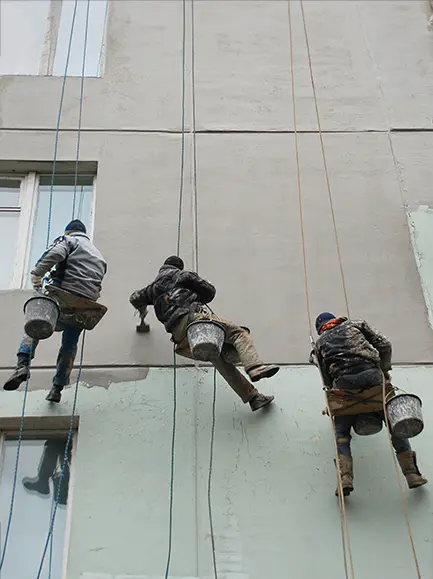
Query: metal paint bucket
(206, 339)
(41, 315)
(405, 415)
(367, 424)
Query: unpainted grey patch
(104, 377)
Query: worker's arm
(380, 342)
(141, 299)
(54, 255)
(190, 280)
(317, 359)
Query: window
(24, 212)
(40, 462)
(34, 37)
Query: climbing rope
(15, 478)
(80, 113)
(209, 483)
(179, 229)
(400, 487)
(196, 269)
(346, 547)
(65, 458)
(59, 116)
(325, 164)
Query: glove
(387, 376)
(36, 281)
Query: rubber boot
(259, 401)
(409, 467)
(54, 395)
(346, 471)
(20, 374)
(40, 484)
(262, 371)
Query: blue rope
(65, 458)
(179, 228)
(14, 484)
(81, 107)
(56, 141)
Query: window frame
(49, 47)
(28, 202)
(32, 434)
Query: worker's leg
(343, 426)
(65, 362)
(248, 355)
(47, 465)
(407, 460)
(243, 388)
(26, 352)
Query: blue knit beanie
(322, 319)
(76, 225)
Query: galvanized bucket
(405, 415)
(367, 424)
(41, 315)
(206, 339)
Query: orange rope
(343, 517)
(403, 500)
(325, 164)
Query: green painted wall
(275, 514)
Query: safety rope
(80, 113)
(179, 228)
(65, 457)
(209, 484)
(15, 478)
(325, 164)
(59, 116)
(346, 547)
(400, 487)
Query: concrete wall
(273, 481)
(373, 67)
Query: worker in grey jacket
(79, 269)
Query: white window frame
(41, 434)
(48, 55)
(28, 202)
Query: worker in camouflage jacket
(78, 267)
(352, 356)
(179, 298)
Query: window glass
(95, 38)
(61, 214)
(37, 484)
(22, 31)
(9, 219)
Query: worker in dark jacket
(79, 269)
(352, 355)
(178, 297)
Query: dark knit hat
(174, 261)
(322, 319)
(76, 225)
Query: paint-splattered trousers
(238, 346)
(343, 426)
(65, 357)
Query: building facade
(272, 475)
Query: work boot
(259, 401)
(346, 471)
(54, 395)
(20, 374)
(262, 371)
(409, 467)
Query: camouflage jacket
(174, 293)
(350, 347)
